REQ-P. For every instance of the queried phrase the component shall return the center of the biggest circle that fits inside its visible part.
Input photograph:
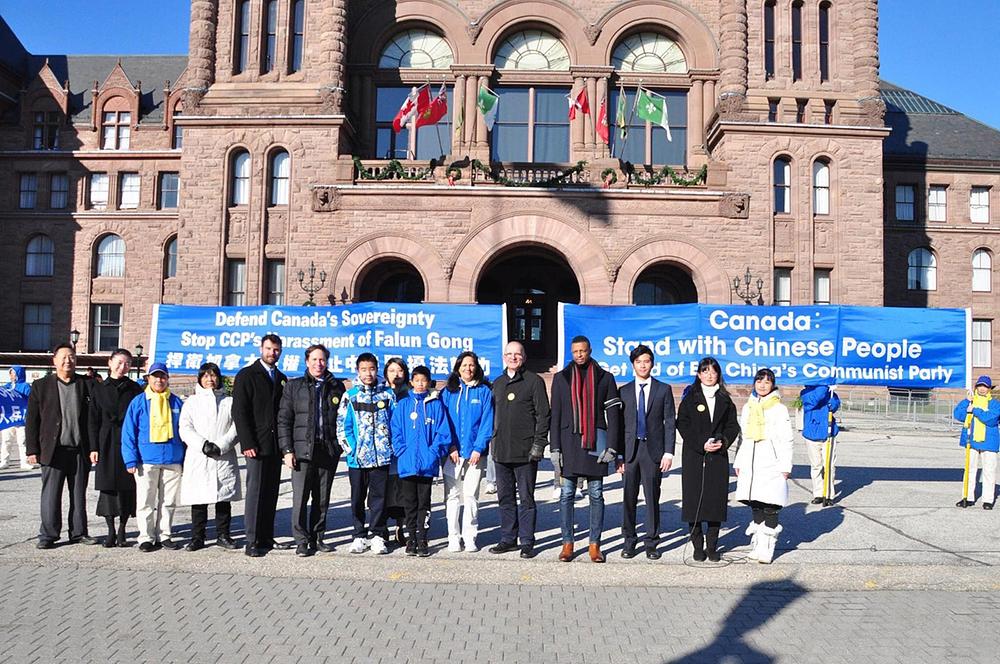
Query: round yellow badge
(413, 415)
(334, 400)
(381, 404)
(510, 396)
(701, 408)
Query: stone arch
(386, 19)
(500, 20)
(686, 27)
(584, 255)
(709, 277)
(360, 255)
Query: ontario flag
(602, 121)
(436, 109)
(415, 104)
(579, 103)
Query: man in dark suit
(57, 436)
(256, 397)
(648, 411)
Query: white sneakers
(359, 545)
(470, 546)
(454, 545)
(491, 487)
(378, 546)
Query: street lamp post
(749, 290)
(310, 287)
(138, 360)
(74, 337)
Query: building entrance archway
(531, 281)
(664, 283)
(390, 280)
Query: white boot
(769, 538)
(754, 540)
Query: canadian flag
(580, 103)
(416, 103)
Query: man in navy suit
(648, 411)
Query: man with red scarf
(585, 437)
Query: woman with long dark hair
(707, 421)
(468, 401)
(763, 463)
(397, 376)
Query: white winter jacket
(207, 416)
(762, 462)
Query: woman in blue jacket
(979, 415)
(469, 403)
(420, 437)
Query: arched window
(797, 40)
(116, 125)
(416, 49)
(111, 256)
(782, 185)
(391, 281)
(649, 52)
(297, 36)
(177, 137)
(821, 187)
(270, 44)
(533, 50)
(240, 179)
(242, 46)
(39, 257)
(170, 259)
(664, 284)
(982, 271)
(824, 41)
(921, 270)
(280, 170)
(769, 39)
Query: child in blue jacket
(469, 402)
(421, 437)
(819, 428)
(980, 415)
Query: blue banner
(13, 406)
(843, 345)
(430, 334)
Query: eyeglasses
(513, 354)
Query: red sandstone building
(217, 177)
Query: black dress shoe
(253, 552)
(422, 550)
(628, 551)
(83, 539)
(226, 543)
(170, 544)
(147, 547)
(411, 547)
(109, 542)
(122, 542)
(283, 546)
(652, 554)
(816, 501)
(527, 552)
(503, 547)
(963, 503)
(827, 502)
(195, 545)
(987, 506)
(324, 547)
(303, 550)
(45, 544)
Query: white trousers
(461, 489)
(13, 437)
(817, 461)
(987, 461)
(157, 489)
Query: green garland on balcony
(554, 181)
(394, 170)
(666, 173)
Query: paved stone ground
(893, 572)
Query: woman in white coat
(211, 474)
(763, 463)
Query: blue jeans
(595, 490)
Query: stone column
(590, 129)
(576, 128)
(733, 58)
(709, 100)
(458, 110)
(866, 63)
(471, 114)
(602, 96)
(336, 23)
(696, 117)
(482, 136)
(201, 52)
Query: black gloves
(210, 449)
(537, 452)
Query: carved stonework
(192, 100)
(331, 98)
(448, 269)
(237, 227)
(734, 206)
(593, 32)
(612, 269)
(473, 29)
(325, 199)
(872, 112)
(732, 107)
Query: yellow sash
(978, 428)
(161, 424)
(755, 421)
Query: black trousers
(312, 481)
(263, 478)
(415, 494)
(516, 498)
(69, 465)
(369, 483)
(644, 472)
(199, 519)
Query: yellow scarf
(978, 428)
(161, 424)
(755, 421)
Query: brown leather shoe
(566, 554)
(595, 553)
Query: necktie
(640, 429)
(270, 374)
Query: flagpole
(444, 84)
(628, 121)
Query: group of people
(152, 451)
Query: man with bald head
(520, 432)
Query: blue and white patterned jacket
(363, 425)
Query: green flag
(652, 107)
(621, 114)
(487, 103)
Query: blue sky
(944, 50)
